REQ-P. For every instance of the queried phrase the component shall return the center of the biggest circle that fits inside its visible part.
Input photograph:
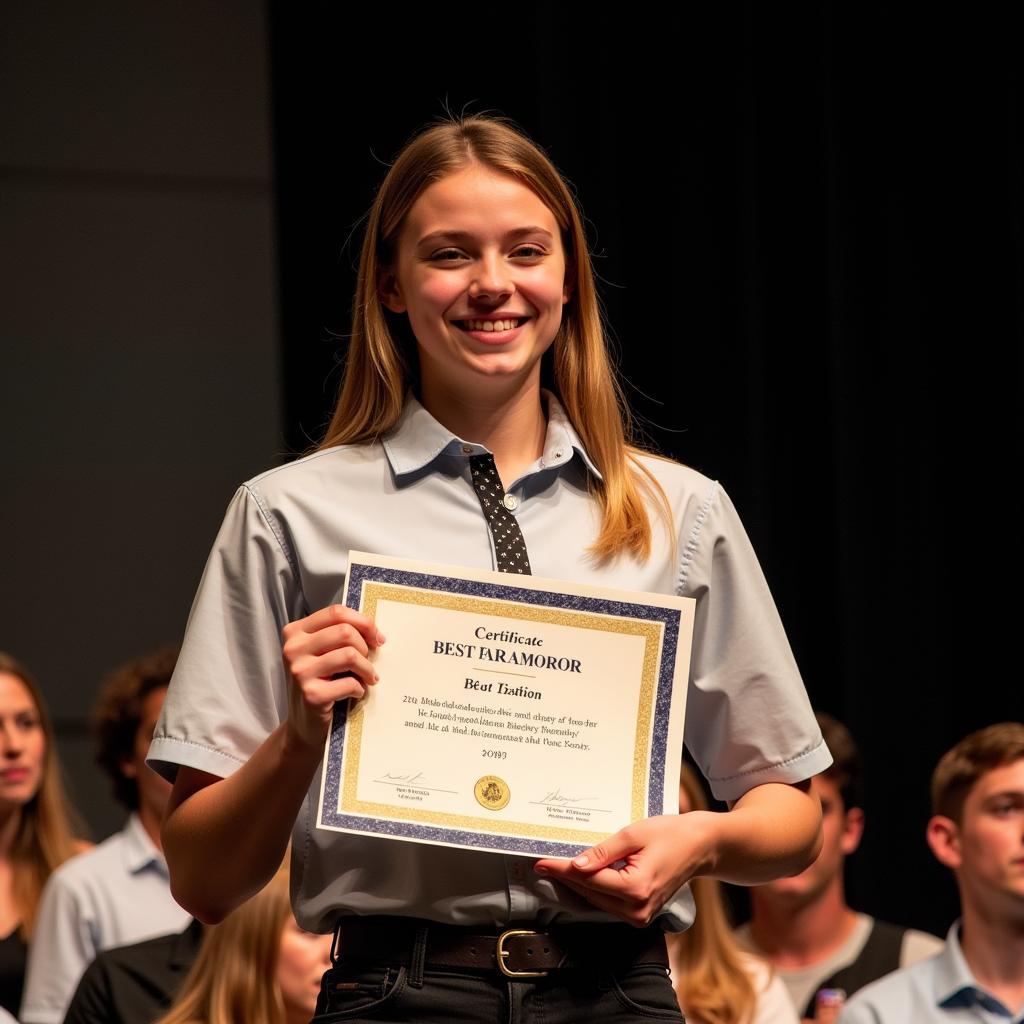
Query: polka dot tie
(509, 546)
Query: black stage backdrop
(807, 224)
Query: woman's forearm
(772, 831)
(225, 838)
(251, 813)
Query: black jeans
(354, 990)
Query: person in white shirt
(119, 891)
(822, 949)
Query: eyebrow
(465, 236)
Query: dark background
(807, 225)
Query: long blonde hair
(234, 977)
(48, 824)
(382, 359)
(707, 964)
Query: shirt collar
(954, 983)
(139, 851)
(417, 439)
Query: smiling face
(301, 963)
(22, 744)
(986, 847)
(480, 271)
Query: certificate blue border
(360, 573)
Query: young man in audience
(977, 831)
(118, 892)
(803, 925)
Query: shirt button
(467, 449)
(558, 453)
(511, 502)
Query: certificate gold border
(650, 632)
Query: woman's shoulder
(320, 466)
(669, 472)
(699, 503)
(310, 481)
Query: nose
(325, 950)
(11, 743)
(491, 279)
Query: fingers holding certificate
(533, 717)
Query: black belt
(516, 952)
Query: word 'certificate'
(513, 714)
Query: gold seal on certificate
(513, 714)
(492, 793)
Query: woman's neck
(10, 916)
(508, 422)
(10, 823)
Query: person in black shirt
(134, 984)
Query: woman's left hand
(658, 855)
(774, 829)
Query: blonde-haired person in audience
(255, 967)
(37, 825)
(715, 980)
(118, 892)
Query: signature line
(544, 803)
(414, 785)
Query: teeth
(491, 325)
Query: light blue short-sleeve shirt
(939, 990)
(116, 893)
(282, 553)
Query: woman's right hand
(326, 656)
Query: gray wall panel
(138, 337)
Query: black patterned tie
(509, 546)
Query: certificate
(514, 714)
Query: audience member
(716, 982)
(803, 925)
(37, 827)
(134, 984)
(257, 965)
(118, 892)
(977, 831)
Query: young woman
(37, 830)
(256, 966)
(715, 980)
(475, 286)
